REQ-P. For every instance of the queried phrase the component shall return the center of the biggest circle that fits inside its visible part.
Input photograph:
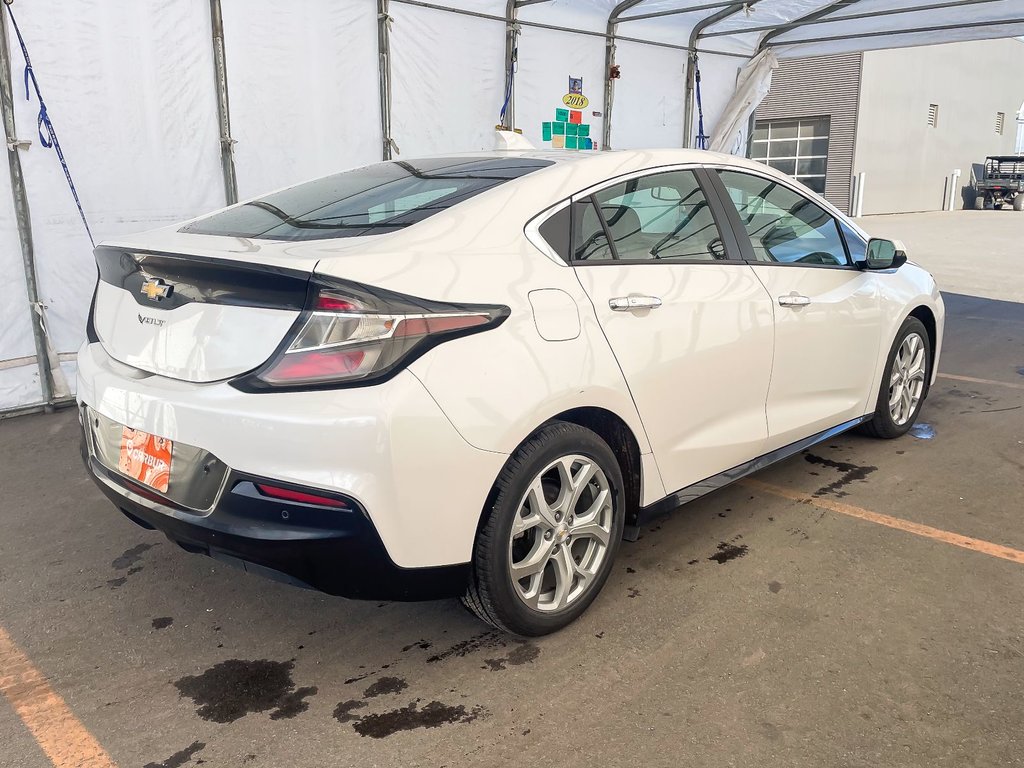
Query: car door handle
(793, 300)
(633, 301)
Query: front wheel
(904, 383)
(979, 202)
(550, 535)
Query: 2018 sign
(575, 100)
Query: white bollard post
(858, 197)
(954, 182)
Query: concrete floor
(829, 640)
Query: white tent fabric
(752, 85)
(131, 89)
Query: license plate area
(146, 458)
(195, 477)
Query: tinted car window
(556, 231)
(376, 199)
(661, 216)
(783, 225)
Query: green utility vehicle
(1002, 183)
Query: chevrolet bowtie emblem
(155, 289)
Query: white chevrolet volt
(476, 375)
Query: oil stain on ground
(381, 724)
(163, 622)
(409, 718)
(235, 688)
(385, 685)
(850, 473)
(126, 561)
(728, 551)
(130, 557)
(181, 758)
(524, 653)
(484, 640)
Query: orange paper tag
(146, 458)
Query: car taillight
(353, 334)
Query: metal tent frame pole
(783, 28)
(23, 217)
(802, 21)
(511, 47)
(695, 35)
(910, 31)
(384, 76)
(609, 62)
(227, 144)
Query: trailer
(1002, 183)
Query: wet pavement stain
(178, 759)
(432, 715)
(235, 688)
(851, 473)
(421, 644)
(774, 587)
(121, 580)
(727, 551)
(163, 622)
(385, 685)
(343, 712)
(130, 557)
(521, 654)
(485, 640)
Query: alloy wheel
(906, 382)
(561, 533)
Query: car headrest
(622, 220)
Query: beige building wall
(907, 161)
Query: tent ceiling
(804, 27)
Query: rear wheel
(1018, 202)
(904, 383)
(549, 538)
(979, 202)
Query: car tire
(906, 376)
(573, 535)
(979, 202)
(1018, 202)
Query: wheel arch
(623, 443)
(925, 314)
(619, 437)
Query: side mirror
(884, 254)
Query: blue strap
(49, 138)
(702, 138)
(512, 67)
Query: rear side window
(661, 216)
(376, 199)
(590, 241)
(783, 225)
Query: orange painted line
(53, 725)
(973, 380)
(947, 537)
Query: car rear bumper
(388, 448)
(331, 550)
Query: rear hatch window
(376, 199)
